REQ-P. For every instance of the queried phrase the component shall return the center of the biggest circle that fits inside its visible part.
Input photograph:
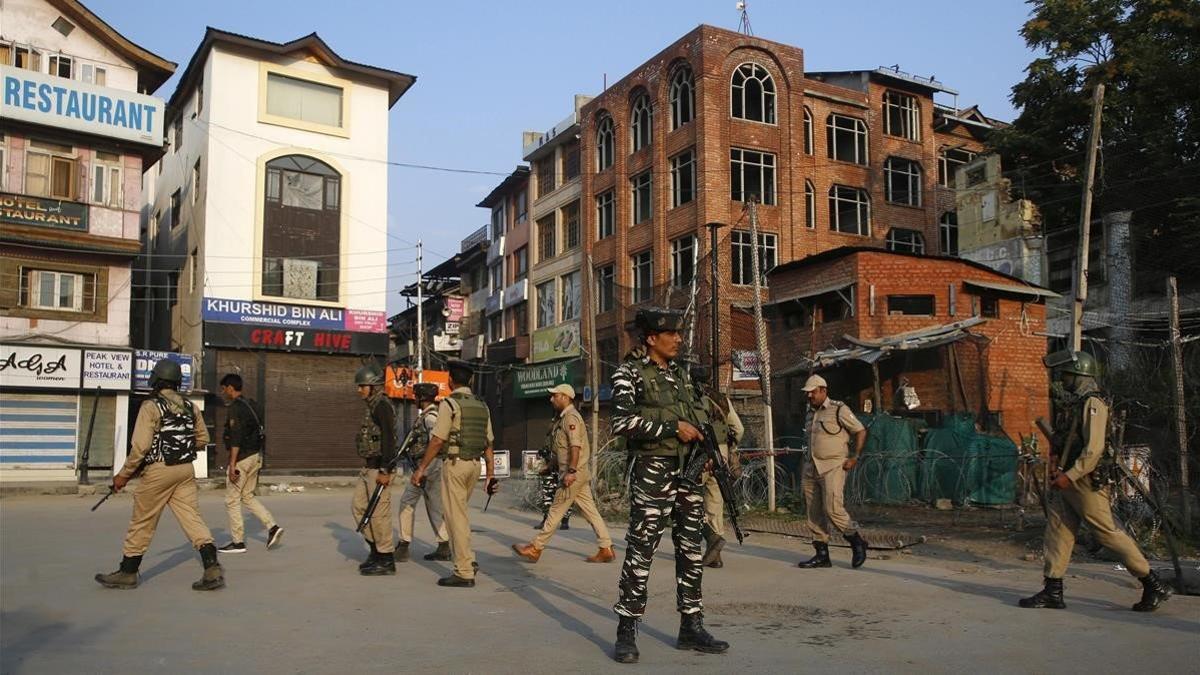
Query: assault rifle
(707, 451)
(373, 503)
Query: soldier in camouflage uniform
(1080, 494)
(549, 486)
(655, 411)
(426, 395)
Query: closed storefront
(38, 431)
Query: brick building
(855, 158)
(967, 338)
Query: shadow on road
(350, 544)
(173, 558)
(28, 632)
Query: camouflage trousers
(658, 496)
(550, 485)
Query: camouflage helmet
(1083, 363)
(166, 373)
(653, 320)
(369, 375)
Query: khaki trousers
(823, 495)
(458, 482)
(162, 486)
(579, 494)
(714, 503)
(379, 530)
(1066, 509)
(242, 493)
(432, 492)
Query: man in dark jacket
(244, 438)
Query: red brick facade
(1011, 381)
(713, 55)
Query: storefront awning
(812, 293)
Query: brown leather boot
(527, 551)
(604, 555)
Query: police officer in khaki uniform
(570, 446)
(376, 444)
(727, 425)
(165, 437)
(462, 435)
(1080, 495)
(830, 427)
(431, 490)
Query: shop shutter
(38, 430)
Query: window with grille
(948, 233)
(545, 177)
(742, 268)
(846, 139)
(849, 210)
(546, 238)
(752, 174)
(683, 261)
(641, 185)
(604, 143)
(905, 240)
(570, 159)
(605, 214)
(948, 162)
(605, 288)
(902, 181)
(641, 122)
(570, 216)
(901, 116)
(643, 277)
(752, 94)
(683, 101)
(683, 178)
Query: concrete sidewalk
(303, 607)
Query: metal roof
(1032, 291)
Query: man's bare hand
(383, 478)
(1061, 482)
(687, 433)
(119, 483)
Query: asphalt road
(302, 608)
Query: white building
(267, 233)
(77, 128)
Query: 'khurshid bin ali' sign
(57, 102)
(26, 210)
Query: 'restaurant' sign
(42, 212)
(294, 339)
(61, 103)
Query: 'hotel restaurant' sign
(57, 102)
(41, 212)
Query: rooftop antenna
(744, 24)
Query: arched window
(641, 119)
(604, 143)
(810, 205)
(808, 132)
(683, 101)
(301, 229)
(752, 94)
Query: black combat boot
(214, 574)
(712, 556)
(126, 577)
(566, 523)
(626, 650)
(692, 635)
(401, 552)
(383, 565)
(441, 553)
(1050, 597)
(858, 549)
(1154, 593)
(821, 559)
(370, 557)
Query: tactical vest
(1073, 445)
(469, 440)
(175, 442)
(665, 403)
(369, 442)
(421, 438)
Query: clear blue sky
(489, 70)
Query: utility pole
(420, 314)
(594, 370)
(1180, 410)
(714, 301)
(1085, 221)
(764, 354)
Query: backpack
(175, 441)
